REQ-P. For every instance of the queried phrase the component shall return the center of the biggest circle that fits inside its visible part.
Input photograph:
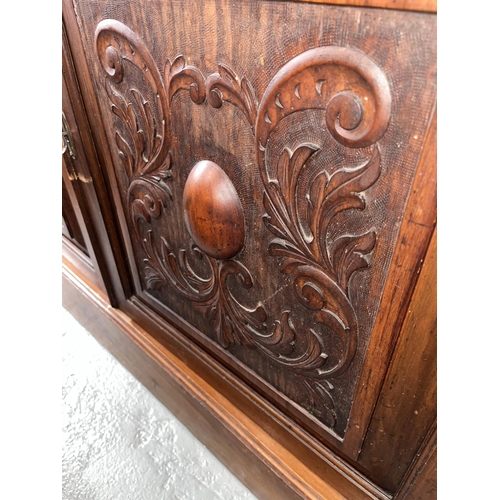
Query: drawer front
(263, 156)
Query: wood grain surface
(263, 183)
(416, 5)
(406, 408)
(252, 450)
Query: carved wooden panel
(263, 157)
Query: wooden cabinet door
(87, 243)
(76, 240)
(265, 171)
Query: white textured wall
(119, 442)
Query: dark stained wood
(260, 197)
(87, 180)
(65, 230)
(286, 431)
(253, 451)
(421, 483)
(425, 485)
(71, 225)
(296, 268)
(416, 232)
(79, 259)
(406, 408)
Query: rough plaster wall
(119, 442)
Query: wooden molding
(414, 239)
(151, 187)
(421, 482)
(389, 448)
(246, 439)
(261, 216)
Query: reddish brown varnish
(213, 212)
(296, 160)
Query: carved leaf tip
(348, 254)
(227, 73)
(177, 65)
(226, 86)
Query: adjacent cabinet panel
(264, 178)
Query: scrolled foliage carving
(354, 94)
(146, 158)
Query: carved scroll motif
(354, 93)
(147, 160)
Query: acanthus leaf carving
(321, 400)
(319, 78)
(319, 268)
(347, 254)
(320, 271)
(115, 44)
(226, 86)
(354, 94)
(148, 163)
(181, 76)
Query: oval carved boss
(212, 211)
